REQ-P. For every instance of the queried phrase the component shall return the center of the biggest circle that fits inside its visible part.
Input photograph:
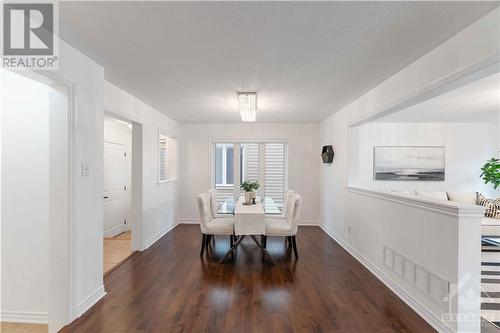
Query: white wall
(119, 132)
(25, 189)
(467, 147)
(304, 159)
(477, 45)
(160, 201)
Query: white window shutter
(275, 172)
(163, 171)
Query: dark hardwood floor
(169, 288)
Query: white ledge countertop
(439, 206)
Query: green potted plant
(249, 187)
(491, 172)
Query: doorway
(117, 199)
(36, 201)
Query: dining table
(249, 220)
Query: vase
(248, 197)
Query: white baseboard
(413, 303)
(159, 235)
(187, 220)
(24, 317)
(113, 231)
(305, 222)
(90, 301)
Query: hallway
(116, 250)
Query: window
(265, 162)
(224, 164)
(249, 167)
(167, 158)
(224, 171)
(163, 172)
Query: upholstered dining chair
(285, 202)
(211, 226)
(288, 226)
(214, 209)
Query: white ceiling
(306, 60)
(478, 101)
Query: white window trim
(162, 132)
(285, 140)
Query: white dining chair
(285, 202)
(283, 211)
(211, 226)
(213, 203)
(288, 226)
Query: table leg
(240, 238)
(263, 249)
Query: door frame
(72, 172)
(66, 267)
(135, 216)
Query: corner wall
(160, 201)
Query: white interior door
(114, 189)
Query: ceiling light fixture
(248, 105)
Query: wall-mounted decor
(423, 163)
(327, 154)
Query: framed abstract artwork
(418, 163)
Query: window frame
(223, 165)
(171, 157)
(285, 141)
